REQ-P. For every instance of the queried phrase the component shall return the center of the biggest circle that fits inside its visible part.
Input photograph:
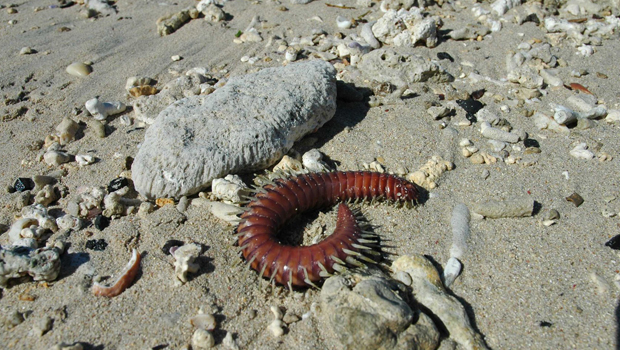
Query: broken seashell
(124, 280)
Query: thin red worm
(275, 203)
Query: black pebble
(470, 106)
(23, 184)
(545, 324)
(531, 143)
(101, 222)
(476, 95)
(117, 184)
(96, 244)
(445, 56)
(614, 243)
(171, 243)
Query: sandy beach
(529, 282)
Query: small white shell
(343, 23)
(290, 54)
(15, 233)
(79, 69)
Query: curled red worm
(275, 203)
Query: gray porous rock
(401, 67)
(367, 311)
(16, 261)
(429, 291)
(248, 124)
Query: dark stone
(531, 143)
(23, 184)
(614, 243)
(545, 324)
(96, 244)
(476, 95)
(117, 184)
(445, 56)
(101, 222)
(470, 106)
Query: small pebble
(229, 342)
(117, 184)
(42, 326)
(56, 158)
(96, 244)
(176, 58)
(485, 174)
(98, 128)
(101, 222)
(13, 318)
(145, 209)
(290, 318)
(202, 339)
(551, 214)
(477, 159)
(575, 198)
(26, 51)
(79, 69)
(84, 159)
(183, 204)
(23, 184)
(204, 321)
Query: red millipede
(277, 202)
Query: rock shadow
(348, 114)
(70, 262)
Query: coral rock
(248, 124)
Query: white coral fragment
(406, 28)
(101, 110)
(312, 161)
(460, 230)
(581, 152)
(230, 189)
(185, 260)
(428, 174)
(17, 261)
